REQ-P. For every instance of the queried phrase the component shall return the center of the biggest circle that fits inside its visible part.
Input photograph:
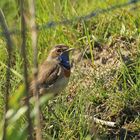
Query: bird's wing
(48, 73)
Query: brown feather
(66, 72)
(47, 75)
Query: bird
(54, 72)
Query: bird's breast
(66, 72)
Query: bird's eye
(59, 50)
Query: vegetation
(104, 84)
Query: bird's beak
(70, 49)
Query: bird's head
(61, 53)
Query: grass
(106, 88)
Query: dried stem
(35, 72)
(23, 47)
(102, 122)
(7, 85)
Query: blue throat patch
(64, 60)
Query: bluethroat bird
(54, 72)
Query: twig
(7, 85)
(23, 47)
(35, 72)
(102, 122)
